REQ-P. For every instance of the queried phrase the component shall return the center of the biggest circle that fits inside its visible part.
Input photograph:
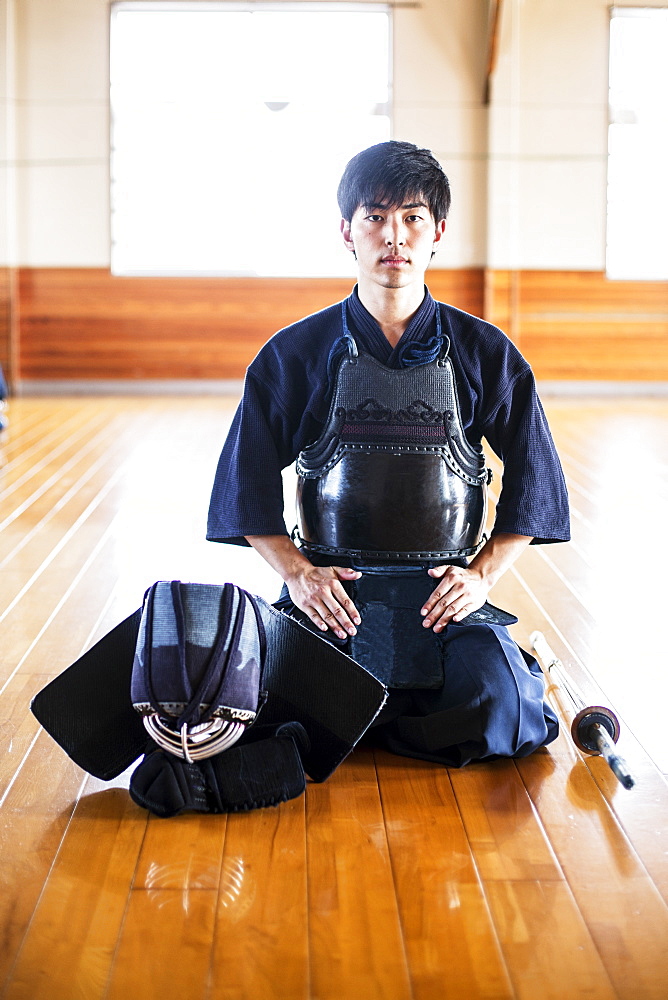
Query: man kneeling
(382, 401)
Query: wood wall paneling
(579, 322)
(5, 320)
(87, 324)
(500, 305)
(84, 323)
(578, 325)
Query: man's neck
(392, 308)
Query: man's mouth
(393, 261)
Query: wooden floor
(395, 879)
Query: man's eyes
(379, 218)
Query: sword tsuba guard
(581, 727)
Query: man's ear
(438, 234)
(345, 232)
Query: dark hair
(394, 173)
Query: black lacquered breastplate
(392, 477)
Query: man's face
(393, 244)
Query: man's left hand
(462, 590)
(459, 592)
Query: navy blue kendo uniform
(468, 693)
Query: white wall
(548, 136)
(440, 55)
(528, 174)
(7, 153)
(62, 132)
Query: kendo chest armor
(392, 477)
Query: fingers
(463, 611)
(451, 612)
(346, 573)
(326, 602)
(438, 597)
(457, 594)
(442, 613)
(341, 615)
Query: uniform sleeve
(247, 495)
(533, 499)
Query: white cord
(197, 743)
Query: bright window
(638, 144)
(231, 125)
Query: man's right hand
(320, 594)
(315, 590)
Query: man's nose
(395, 234)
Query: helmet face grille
(193, 743)
(197, 667)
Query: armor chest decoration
(392, 478)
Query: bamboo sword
(595, 728)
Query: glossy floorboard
(395, 879)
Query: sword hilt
(595, 728)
